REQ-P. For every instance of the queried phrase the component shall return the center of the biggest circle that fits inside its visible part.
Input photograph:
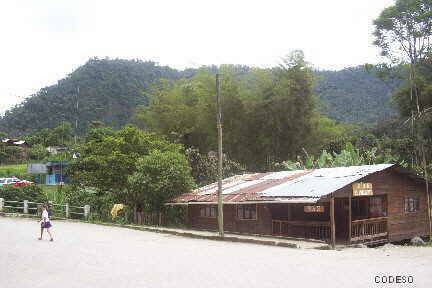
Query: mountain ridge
(111, 89)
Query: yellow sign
(314, 209)
(362, 189)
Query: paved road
(88, 255)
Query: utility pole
(220, 155)
(76, 116)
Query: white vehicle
(9, 181)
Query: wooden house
(369, 204)
(21, 145)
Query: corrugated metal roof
(14, 141)
(324, 181)
(284, 186)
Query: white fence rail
(28, 207)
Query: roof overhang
(305, 200)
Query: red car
(22, 183)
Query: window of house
(208, 211)
(247, 212)
(412, 204)
(377, 207)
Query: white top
(45, 215)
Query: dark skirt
(46, 225)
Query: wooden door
(341, 218)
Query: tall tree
(283, 113)
(404, 32)
(267, 114)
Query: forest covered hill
(354, 95)
(111, 89)
(107, 91)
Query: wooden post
(25, 208)
(187, 215)
(67, 212)
(332, 222)
(1, 204)
(429, 211)
(289, 218)
(349, 217)
(86, 211)
(220, 155)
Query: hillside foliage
(106, 91)
(109, 90)
(355, 95)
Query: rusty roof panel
(282, 186)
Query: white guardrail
(28, 207)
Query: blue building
(56, 173)
(51, 173)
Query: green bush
(31, 193)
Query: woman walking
(45, 223)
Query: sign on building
(362, 189)
(314, 209)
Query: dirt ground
(88, 255)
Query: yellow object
(116, 208)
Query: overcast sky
(44, 40)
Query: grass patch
(18, 170)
